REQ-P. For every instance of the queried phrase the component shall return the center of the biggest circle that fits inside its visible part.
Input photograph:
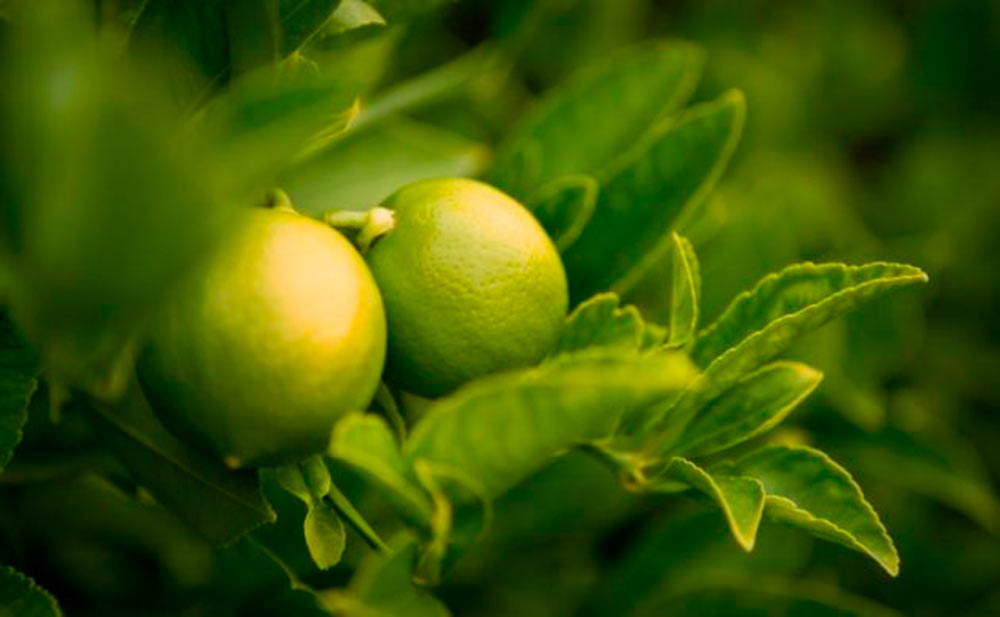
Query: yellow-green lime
(280, 334)
(472, 285)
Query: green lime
(472, 285)
(265, 349)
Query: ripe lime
(471, 282)
(282, 333)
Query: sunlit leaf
(766, 321)
(600, 322)
(805, 293)
(500, 429)
(754, 405)
(741, 499)
(685, 295)
(325, 535)
(807, 489)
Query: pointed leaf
(20, 596)
(290, 478)
(741, 499)
(216, 501)
(807, 489)
(599, 322)
(564, 206)
(784, 312)
(808, 294)
(351, 14)
(325, 535)
(649, 191)
(582, 125)
(685, 296)
(366, 442)
(500, 429)
(754, 405)
(18, 369)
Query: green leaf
(500, 429)
(316, 476)
(754, 595)
(584, 124)
(384, 587)
(651, 190)
(462, 514)
(599, 322)
(366, 442)
(754, 405)
(764, 322)
(325, 535)
(366, 166)
(108, 198)
(797, 299)
(18, 371)
(291, 478)
(219, 503)
(564, 206)
(685, 296)
(351, 14)
(741, 499)
(22, 597)
(807, 489)
(199, 45)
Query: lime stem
(370, 224)
(278, 199)
(354, 518)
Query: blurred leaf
(22, 597)
(462, 514)
(564, 206)
(500, 429)
(685, 296)
(366, 442)
(219, 503)
(650, 190)
(383, 587)
(746, 596)
(934, 464)
(325, 535)
(599, 322)
(756, 404)
(794, 294)
(199, 45)
(807, 489)
(741, 499)
(107, 198)
(763, 322)
(18, 371)
(351, 14)
(584, 124)
(290, 478)
(366, 166)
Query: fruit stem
(278, 199)
(346, 509)
(370, 224)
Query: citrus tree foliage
(126, 150)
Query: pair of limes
(287, 328)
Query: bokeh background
(872, 133)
